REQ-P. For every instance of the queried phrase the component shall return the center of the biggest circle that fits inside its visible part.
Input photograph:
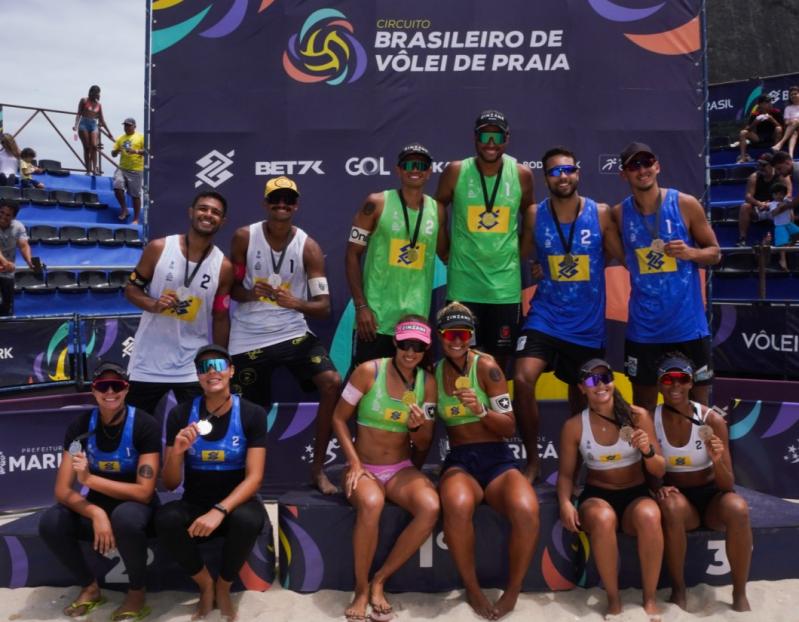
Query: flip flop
(87, 605)
(131, 615)
(380, 613)
(123, 217)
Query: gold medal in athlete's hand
(463, 382)
(409, 398)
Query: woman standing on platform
(612, 438)
(88, 123)
(474, 404)
(394, 398)
(113, 451)
(215, 445)
(698, 487)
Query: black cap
(107, 366)
(455, 318)
(633, 149)
(587, 367)
(491, 117)
(212, 348)
(675, 363)
(414, 149)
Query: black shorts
(619, 500)
(563, 357)
(483, 461)
(362, 350)
(700, 497)
(496, 326)
(147, 395)
(641, 359)
(305, 357)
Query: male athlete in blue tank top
(566, 323)
(667, 238)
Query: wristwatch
(648, 454)
(221, 508)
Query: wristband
(221, 302)
(649, 454)
(482, 414)
(221, 508)
(363, 306)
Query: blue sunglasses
(208, 365)
(568, 169)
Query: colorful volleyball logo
(325, 50)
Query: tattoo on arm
(146, 471)
(495, 374)
(368, 208)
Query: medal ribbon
(489, 202)
(566, 247)
(411, 239)
(654, 232)
(693, 420)
(613, 421)
(187, 279)
(277, 265)
(408, 385)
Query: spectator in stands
(12, 237)
(9, 160)
(617, 444)
(88, 123)
(215, 447)
(474, 404)
(785, 167)
(758, 195)
(394, 398)
(27, 168)
(786, 233)
(114, 451)
(698, 485)
(131, 169)
(764, 125)
(791, 116)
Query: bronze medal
(658, 245)
(705, 432)
(569, 261)
(412, 254)
(626, 433)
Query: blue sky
(55, 50)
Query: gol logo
(325, 50)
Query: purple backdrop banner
(35, 351)
(329, 92)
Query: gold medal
(658, 245)
(705, 432)
(488, 219)
(409, 398)
(626, 433)
(463, 382)
(412, 254)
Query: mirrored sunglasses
(486, 137)
(116, 386)
(414, 165)
(638, 163)
(566, 169)
(286, 198)
(220, 365)
(451, 334)
(670, 377)
(412, 344)
(593, 380)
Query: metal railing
(763, 256)
(46, 112)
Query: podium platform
(25, 561)
(315, 548)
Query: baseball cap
(587, 367)
(417, 149)
(765, 158)
(212, 348)
(491, 117)
(633, 149)
(675, 363)
(110, 366)
(412, 330)
(456, 318)
(129, 121)
(280, 183)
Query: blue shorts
(783, 233)
(88, 125)
(483, 461)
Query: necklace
(613, 421)
(654, 231)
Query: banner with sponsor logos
(36, 351)
(760, 340)
(106, 339)
(730, 104)
(328, 92)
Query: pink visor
(413, 330)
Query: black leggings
(240, 530)
(61, 529)
(147, 395)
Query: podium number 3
(720, 564)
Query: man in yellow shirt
(131, 169)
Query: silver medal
(75, 448)
(204, 427)
(182, 293)
(274, 280)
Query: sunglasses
(634, 165)
(593, 380)
(116, 386)
(451, 334)
(414, 165)
(566, 169)
(208, 365)
(486, 137)
(412, 344)
(286, 198)
(670, 377)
